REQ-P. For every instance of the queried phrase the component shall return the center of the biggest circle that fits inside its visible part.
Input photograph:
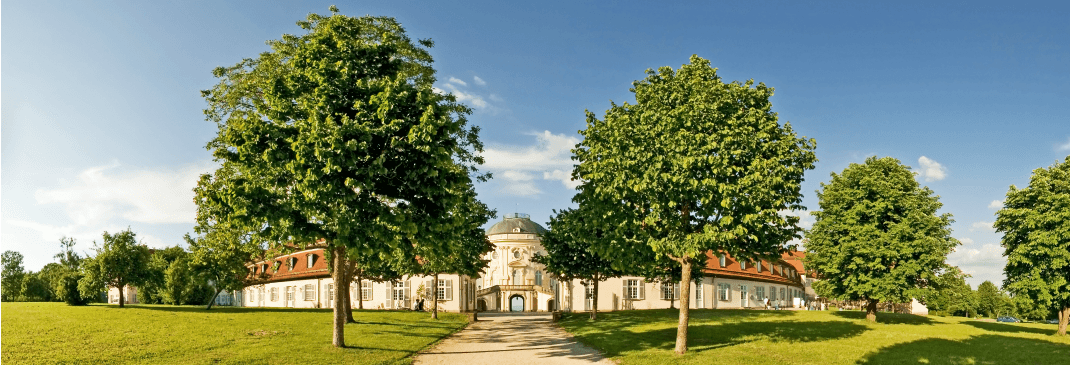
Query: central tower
(513, 281)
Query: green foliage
(36, 288)
(950, 294)
(570, 246)
(336, 138)
(119, 262)
(991, 301)
(877, 235)
(221, 257)
(1035, 222)
(695, 165)
(64, 276)
(13, 275)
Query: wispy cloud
(146, 196)
(982, 227)
(458, 81)
(931, 170)
(995, 204)
(1064, 146)
(550, 156)
(479, 81)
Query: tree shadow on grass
(200, 309)
(984, 349)
(627, 318)
(703, 337)
(887, 318)
(1009, 328)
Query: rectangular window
(759, 292)
(742, 265)
(445, 290)
(330, 292)
(698, 295)
(399, 291)
(274, 294)
(366, 290)
(633, 289)
(724, 261)
(290, 293)
(311, 259)
(669, 292)
(589, 292)
(724, 292)
(772, 293)
(759, 266)
(310, 292)
(782, 295)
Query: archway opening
(481, 305)
(550, 305)
(516, 303)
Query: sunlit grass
(816, 337)
(35, 333)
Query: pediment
(517, 263)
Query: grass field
(35, 333)
(816, 337)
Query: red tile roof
(300, 269)
(732, 270)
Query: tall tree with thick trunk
(459, 252)
(695, 165)
(336, 138)
(877, 236)
(1035, 222)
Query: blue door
(516, 304)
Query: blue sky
(102, 127)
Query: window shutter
(642, 290)
(675, 291)
(389, 298)
(449, 289)
(428, 290)
(627, 293)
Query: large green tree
(991, 301)
(337, 137)
(949, 293)
(877, 236)
(223, 259)
(65, 275)
(13, 275)
(1035, 222)
(696, 164)
(460, 252)
(118, 263)
(570, 253)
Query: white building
(513, 282)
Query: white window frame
(633, 289)
(538, 278)
(724, 292)
(274, 294)
(742, 264)
(724, 260)
(330, 292)
(311, 260)
(366, 290)
(310, 292)
(698, 294)
(399, 291)
(759, 266)
(670, 288)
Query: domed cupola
(516, 223)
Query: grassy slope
(816, 337)
(53, 332)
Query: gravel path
(513, 338)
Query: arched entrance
(550, 305)
(481, 305)
(516, 303)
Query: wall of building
(318, 293)
(611, 295)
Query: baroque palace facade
(513, 282)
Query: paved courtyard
(514, 338)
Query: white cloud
(551, 156)
(931, 170)
(982, 226)
(479, 81)
(475, 100)
(1064, 146)
(458, 81)
(806, 219)
(518, 183)
(995, 204)
(988, 255)
(966, 241)
(147, 196)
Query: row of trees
(166, 276)
(952, 296)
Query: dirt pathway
(513, 338)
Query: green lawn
(35, 333)
(816, 337)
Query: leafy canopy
(119, 262)
(877, 235)
(1035, 222)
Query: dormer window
(311, 260)
(263, 268)
(516, 230)
(292, 263)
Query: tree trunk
(594, 299)
(1064, 317)
(350, 272)
(685, 313)
(348, 304)
(672, 301)
(210, 302)
(434, 296)
(339, 311)
(360, 292)
(871, 310)
(122, 298)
